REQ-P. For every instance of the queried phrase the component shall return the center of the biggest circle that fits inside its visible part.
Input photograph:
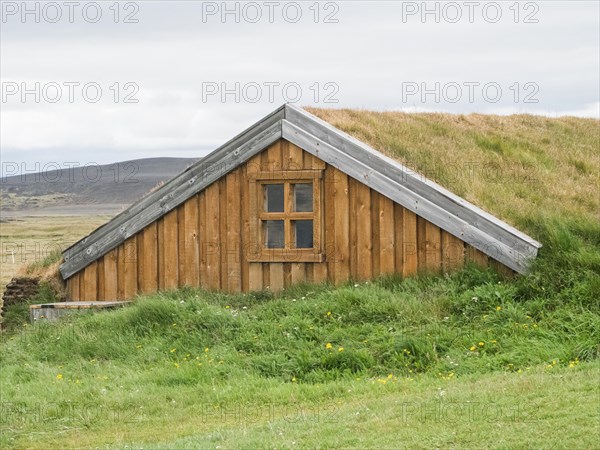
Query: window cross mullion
(288, 207)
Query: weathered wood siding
(203, 242)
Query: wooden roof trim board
(464, 220)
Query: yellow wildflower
(498, 308)
(59, 376)
(328, 345)
(340, 349)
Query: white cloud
(369, 54)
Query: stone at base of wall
(19, 290)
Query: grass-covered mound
(471, 322)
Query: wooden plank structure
(371, 216)
(53, 311)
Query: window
(285, 216)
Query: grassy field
(467, 360)
(462, 361)
(28, 239)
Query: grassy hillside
(521, 168)
(113, 185)
(468, 360)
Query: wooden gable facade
(214, 238)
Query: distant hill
(102, 188)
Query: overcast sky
(90, 82)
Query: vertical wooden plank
(375, 232)
(453, 252)
(266, 275)
(294, 156)
(182, 269)
(287, 274)
(244, 229)
(100, 280)
(213, 241)
(140, 258)
(387, 236)
(330, 219)
(409, 243)
(255, 272)
(276, 276)
(223, 233)
(73, 284)
(110, 275)
(364, 232)
(160, 248)
(398, 238)
(148, 257)
(319, 272)
(82, 284)
(202, 240)
(353, 234)
(130, 263)
(421, 244)
(341, 250)
(234, 268)
(298, 272)
(309, 273)
(433, 247)
(271, 159)
(121, 272)
(288, 230)
(319, 269)
(192, 252)
(476, 256)
(170, 250)
(285, 154)
(255, 277)
(90, 282)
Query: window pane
(303, 197)
(304, 233)
(274, 233)
(274, 197)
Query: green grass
(53, 257)
(188, 368)
(468, 360)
